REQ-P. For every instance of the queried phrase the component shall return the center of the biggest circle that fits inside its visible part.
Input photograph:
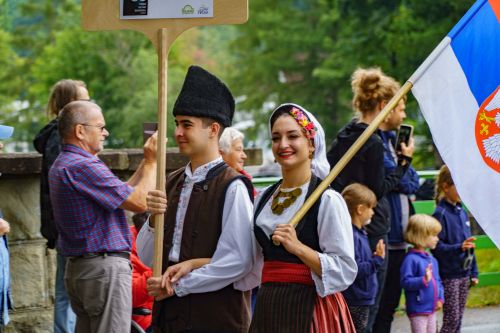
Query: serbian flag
(457, 88)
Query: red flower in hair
(302, 119)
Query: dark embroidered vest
(225, 310)
(307, 229)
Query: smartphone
(404, 134)
(148, 129)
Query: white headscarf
(320, 166)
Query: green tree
(305, 51)
(9, 62)
(120, 69)
(10, 81)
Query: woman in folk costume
(302, 277)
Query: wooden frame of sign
(99, 15)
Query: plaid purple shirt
(85, 197)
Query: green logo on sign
(187, 10)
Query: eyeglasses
(102, 128)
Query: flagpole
(430, 60)
(350, 154)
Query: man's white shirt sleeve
(145, 244)
(233, 258)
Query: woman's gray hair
(227, 138)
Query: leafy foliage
(302, 51)
(119, 68)
(306, 52)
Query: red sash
(279, 271)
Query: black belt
(125, 255)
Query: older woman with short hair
(231, 149)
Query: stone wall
(32, 264)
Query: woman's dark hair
(285, 109)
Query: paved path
(476, 320)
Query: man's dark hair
(139, 219)
(205, 121)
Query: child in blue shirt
(454, 252)
(420, 274)
(5, 299)
(361, 294)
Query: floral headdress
(303, 120)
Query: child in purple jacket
(420, 274)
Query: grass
(488, 261)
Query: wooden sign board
(98, 15)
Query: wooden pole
(162, 144)
(100, 15)
(350, 154)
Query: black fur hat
(204, 95)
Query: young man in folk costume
(208, 243)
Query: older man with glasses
(89, 203)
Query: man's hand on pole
(156, 201)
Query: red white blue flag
(458, 90)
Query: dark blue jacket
(407, 185)
(367, 168)
(456, 229)
(364, 288)
(48, 143)
(421, 297)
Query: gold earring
(311, 154)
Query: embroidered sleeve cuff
(180, 290)
(322, 286)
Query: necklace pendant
(290, 197)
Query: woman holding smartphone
(401, 209)
(372, 90)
